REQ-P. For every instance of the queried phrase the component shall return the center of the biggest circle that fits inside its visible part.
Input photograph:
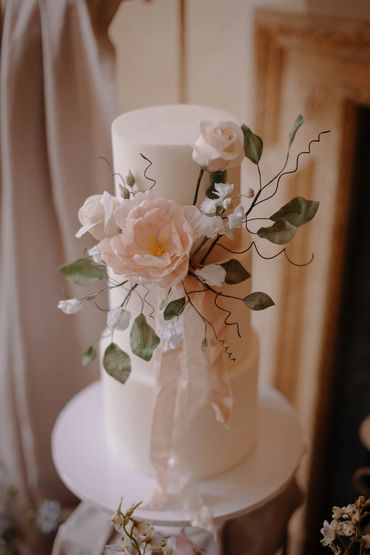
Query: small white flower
(118, 319)
(212, 274)
(212, 226)
(236, 217)
(70, 306)
(95, 255)
(210, 205)
(203, 225)
(171, 334)
(337, 512)
(345, 528)
(223, 189)
(329, 532)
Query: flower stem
(210, 249)
(200, 246)
(198, 185)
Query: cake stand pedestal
(88, 468)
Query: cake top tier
(173, 124)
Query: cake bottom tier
(207, 447)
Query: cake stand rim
(165, 517)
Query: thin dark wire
(308, 151)
(283, 251)
(226, 322)
(146, 300)
(150, 163)
(114, 174)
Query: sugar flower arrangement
(143, 239)
(139, 537)
(348, 533)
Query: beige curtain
(57, 100)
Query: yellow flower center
(156, 247)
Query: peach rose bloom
(154, 243)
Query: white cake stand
(88, 468)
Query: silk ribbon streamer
(187, 378)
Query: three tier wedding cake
(179, 357)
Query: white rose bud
(118, 319)
(220, 146)
(97, 216)
(70, 306)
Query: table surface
(88, 468)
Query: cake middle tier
(206, 447)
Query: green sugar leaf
(174, 308)
(258, 301)
(117, 363)
(88, 356)
(253, 145)
(143, 339)
(297, 124)
(235, 272)
(83, 271)
(279, 233)
(297, 212)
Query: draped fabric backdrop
(57, 100)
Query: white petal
(70, 306)
(84, 229)
(236, 218)
(212, 274)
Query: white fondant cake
(164, 135)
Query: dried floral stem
(198, 186)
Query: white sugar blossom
(70, 306)
(210, 205)
(95, 255)
(337, 512)
(118, 319)
(236, 217)
(212, 274)
(345, 528)
(223, 189)
(203, 225)
(97, 216)
(211, 226)
(171, 334)
(329, 531)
